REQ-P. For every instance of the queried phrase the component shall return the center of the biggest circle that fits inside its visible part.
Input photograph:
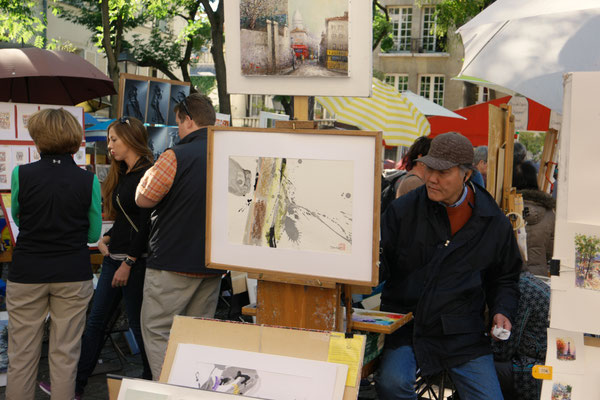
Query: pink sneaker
(45, 386)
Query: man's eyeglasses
(124, 120)
(183, 104)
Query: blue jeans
(474, 380)
(104, 304)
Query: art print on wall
(135, 99)
(8, 128)
(177, 95)
(300, 47)
(566, 351)
(161, 138)
(298, 204)
(158, 103)
(24, 111)
(294, 38)
(563, 387)
(272, 203)
(260, 375)
(587, 261)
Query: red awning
(475, 127)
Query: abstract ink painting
(291, 203)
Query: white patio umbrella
(428, 107)
(527, 46)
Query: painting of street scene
(587, 262)
(561, 391)
(565, 349)
(296, 38)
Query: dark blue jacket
(446, 280)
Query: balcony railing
(418, 45)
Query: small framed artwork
(299, 47)
(267, 119)
(134, 99)
(7, 121)
(24, 111)
(296, 204)
(178, 94)
(158, 103)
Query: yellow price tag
(542, 372)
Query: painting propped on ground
(247, 373)
(587, 261)
(290, 203)
(294, 37)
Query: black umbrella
(32, 75)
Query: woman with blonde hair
(56, 205)
(123, 246)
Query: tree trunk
(216, 29)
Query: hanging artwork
(158, 103)
(7, 121)
(178, 94)
(303, 47)
(294, 38)
(161, 138)
(252, 374)
(295, 203)
(563, 387)
(24, 111)
(566, 351)
(135, 99)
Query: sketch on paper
(561, 391)
(587, 262)
(289, 203)
(247, 373)
(565, 349)
(294, 38)
(132, 394)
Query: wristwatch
(129, 261)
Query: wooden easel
(303, 303)
(501, 144)
(548, 162)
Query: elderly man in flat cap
(447, 251)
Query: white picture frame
(333, 208)
(360, 55)
(8, 130)
(267, 119)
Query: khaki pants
(28, 305)
(167, 294)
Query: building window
(432, 87)
(257, 103)
(398, 81)
(428, 35)
(483, 94)
(402, 24)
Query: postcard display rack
(575, 292)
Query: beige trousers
(28, 305)
(167, 294)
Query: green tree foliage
(204, 84)
(20, 22)
(452, 14)
(382, 28)
(533, 142)
(587, 247)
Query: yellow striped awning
(386, 110)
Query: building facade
(420, 61)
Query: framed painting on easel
(300, 204)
